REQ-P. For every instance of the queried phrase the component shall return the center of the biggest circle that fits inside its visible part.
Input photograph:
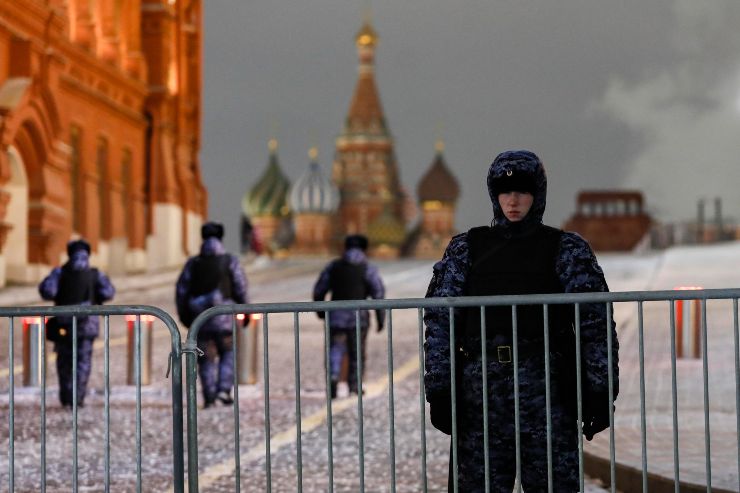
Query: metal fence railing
(638, 392)
(35, 373)
(680, 410)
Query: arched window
(102, 168)
(75, 170)
(126, 188)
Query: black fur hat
(76, 245)
(212, 230)
(355, 241)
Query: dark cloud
(598, 89)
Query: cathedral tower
(365, 169)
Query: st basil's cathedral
(363, 194)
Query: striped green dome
(269, 197)
(386, 229)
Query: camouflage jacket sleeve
(50, 285)
(579, 272)
(239, 286)
(448, 280)
(104, 289)
(376, 290)
(322, 283)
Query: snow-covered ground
(716, 266)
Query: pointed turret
(365, 169)
(365, 109)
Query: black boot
(333, 389)
(225, 397)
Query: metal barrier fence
(638, 300)
(139, 344)
(634, 299)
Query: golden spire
(272, 145)
(366, 36)
(439, 146)
(313, 153)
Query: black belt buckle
(504, 354)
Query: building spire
(365, 107)
(366, 36)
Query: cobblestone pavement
(216, 425)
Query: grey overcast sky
(637, 93)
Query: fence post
(688, 322)
(32, 341)
(247, 349)
(147, 321)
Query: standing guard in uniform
(75, 283)
(212, 278)
(350, 277)
(517, 254)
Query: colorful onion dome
(438, 183)
(314, 192)
(269, 197)
(386, 229)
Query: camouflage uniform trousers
(215, 367)
(344, 341)
(64, 368)
(532, 425)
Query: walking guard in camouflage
(350, 277)
(75, 283)
(212, 278)
(517, 254)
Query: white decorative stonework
(193, 235)
(164, 246)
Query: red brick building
(99, 133)
(611, 220)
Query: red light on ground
(240, 316)
(256, 316)
(31, 320)
(144, 318)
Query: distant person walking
(75, 283)
(350, 277)
(212, 278)
(517, 254)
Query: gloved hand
(380, 327)
(595, 414)
(246, 320)
(321, 315)
(440, 414)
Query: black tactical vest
(347, 281)
(211, 272)
(76, 286)
(505, 264)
